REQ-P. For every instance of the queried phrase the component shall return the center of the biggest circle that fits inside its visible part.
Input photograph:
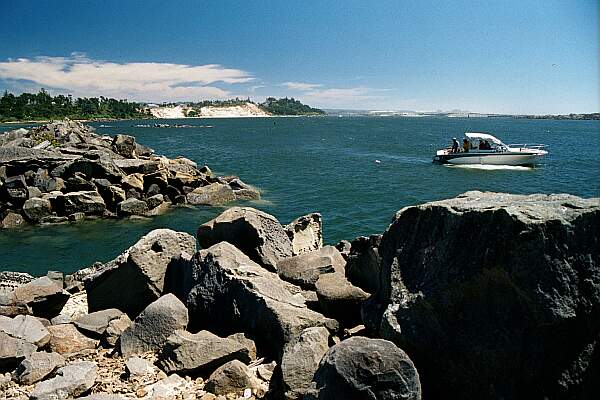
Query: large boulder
(35, 209)
(124, 145)
(340, 299)
(199, 353)
(70, 381)
(13, 351)
(257, 234)
(88, 202)
(25, 327)
(301, 358)
(360, 368)
(234, 294)
(102, 169)
(132, 206)
(233, 378)
(499, 289)
(38, 366)
(66, 339)
(96, 323)
(11, 220)
(136, 278)
(306, 233)
(215, 194)
(43, 296)
(304, 269)
(151, 329)
(364, 264)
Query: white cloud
(357, 97)
(301, 85)
(150, 81)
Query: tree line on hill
(43, 106)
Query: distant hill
(288, 106)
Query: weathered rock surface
(339, 299)
(12, 220)
(139, 367)
(43, 296)
(233, 377)
(199, 353)
(96, 323)
(13, 351)
(215, 194)
(364, 264)
(237, 295)
(132, 206)
(35, 209)
(151, 329)
(66, 339)
(71, 381)
(306, 233)
(304, 269)
(301, 358)
(115, 329)
(88, 202)
(38, 366)
(500, 289)
(360, 368)
(257, 234)
(27, 328)
(136, 278)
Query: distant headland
(42, 107)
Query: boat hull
(489, 159)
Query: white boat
(483, 148)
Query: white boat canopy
(484, 136)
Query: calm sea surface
(321, 164)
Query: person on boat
(466, 145)
(454, 145)
(484, 145)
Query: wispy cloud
(83, 76)
(356, 97)
(301, 85)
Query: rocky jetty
(486, 295)
(64, 171)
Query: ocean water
(321, 164)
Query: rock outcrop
(136, 278)
(360, 368)
(257, 234)
(237, 295)
(499, 289)
(63, 170)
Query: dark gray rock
(304, 269)
(96, 323)
(238, 295)
(43, 296)
(199, 353)
(35, 209)
(136, 278)
(155, 201)
(257, 234)
(306, 233)
(15, 189)
(360, 368)
(500, 289)
(339, 299)
(151, 329)
(79, 183)
(124, 145)
(245, 341)
(103, 168)
(88, 202)
(231, 378)
(111, 194)
(364, 264)
(70, 381)
(132, 206)
(37, 366)
(136, 165)
(301, 358)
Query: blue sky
(503, 56)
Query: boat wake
(488, 167)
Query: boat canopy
(484, 136)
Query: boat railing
(528, 146)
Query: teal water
(321, 164)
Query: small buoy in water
(377, 161)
